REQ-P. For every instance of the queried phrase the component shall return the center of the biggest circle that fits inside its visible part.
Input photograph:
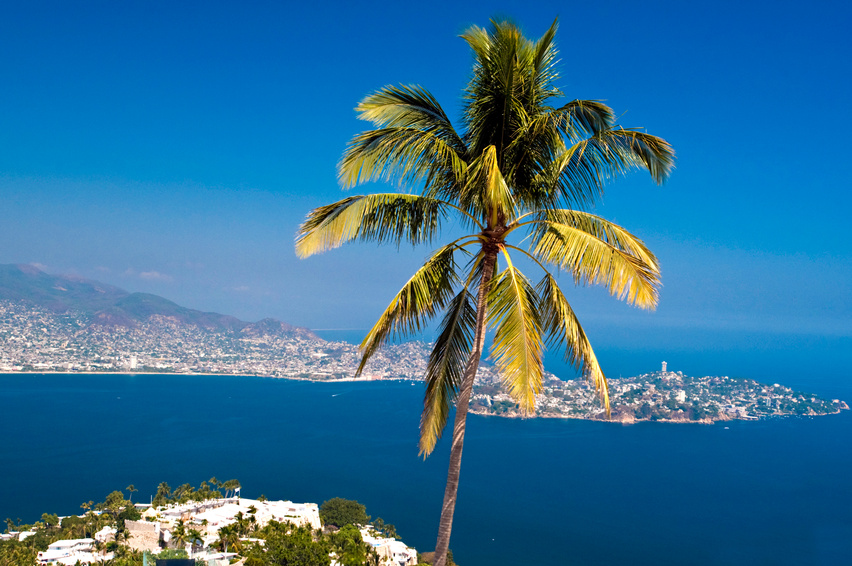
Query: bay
(532, 491)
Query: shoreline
(193, 373)
(621, 421)
(629, 422)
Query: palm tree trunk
(462, 402)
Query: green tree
(230, 487)
(341, 512)
(350, 548)
(16, 553)
(287, 544)
(180, 534)
(195, 539)
(229, 539)
(183, 493)
(385, 529)
(163, 495)
(131, 489)
(521, 170)
(50, 520)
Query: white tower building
(664, 367)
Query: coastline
(628, 422)
(293, 378)
(624, 420)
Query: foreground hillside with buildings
(209, 529)
(55, 324)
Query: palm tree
(163, 496)
(131, 489)
(194, 537)
(520, 170)
(180, 534)
(229, 538)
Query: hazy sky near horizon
(174, 148)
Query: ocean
(532, 491)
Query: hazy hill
(106, 305)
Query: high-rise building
(664, 367)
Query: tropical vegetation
(112, 512)
(282, 543)
(340, 512)
(519, 178)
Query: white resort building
(391, 552)
(69, 552)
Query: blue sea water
(532, 491)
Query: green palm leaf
(596, 251)
(381, 217)
(563, 328)
(575, 120)
(579, 172)
(486, 192)
(544, 59)
(516, 349)
(445, 368)
(604, 230)
(401, 155)
(581, 118)
(428, 290)
(409, 107)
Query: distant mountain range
(110, 306)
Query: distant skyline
(174, 148)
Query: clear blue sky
(174, 147)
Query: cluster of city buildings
(33, 339)
(663, 396)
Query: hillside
(104, 305)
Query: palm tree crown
(521, 169)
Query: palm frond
(486, 191)
(427, 291)
(412, 107)
(381, 217)
(512, 79)
(516, 349)
(562, 328)
(479, 41)
(544, 61)
(402, 155)
(605, 230)
(651, 152)
(582, 118)
(600, 252)
(580, 172)
(446, 367)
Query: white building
(106, 534)
(391, 552)
(69, 552)
(214, 514)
